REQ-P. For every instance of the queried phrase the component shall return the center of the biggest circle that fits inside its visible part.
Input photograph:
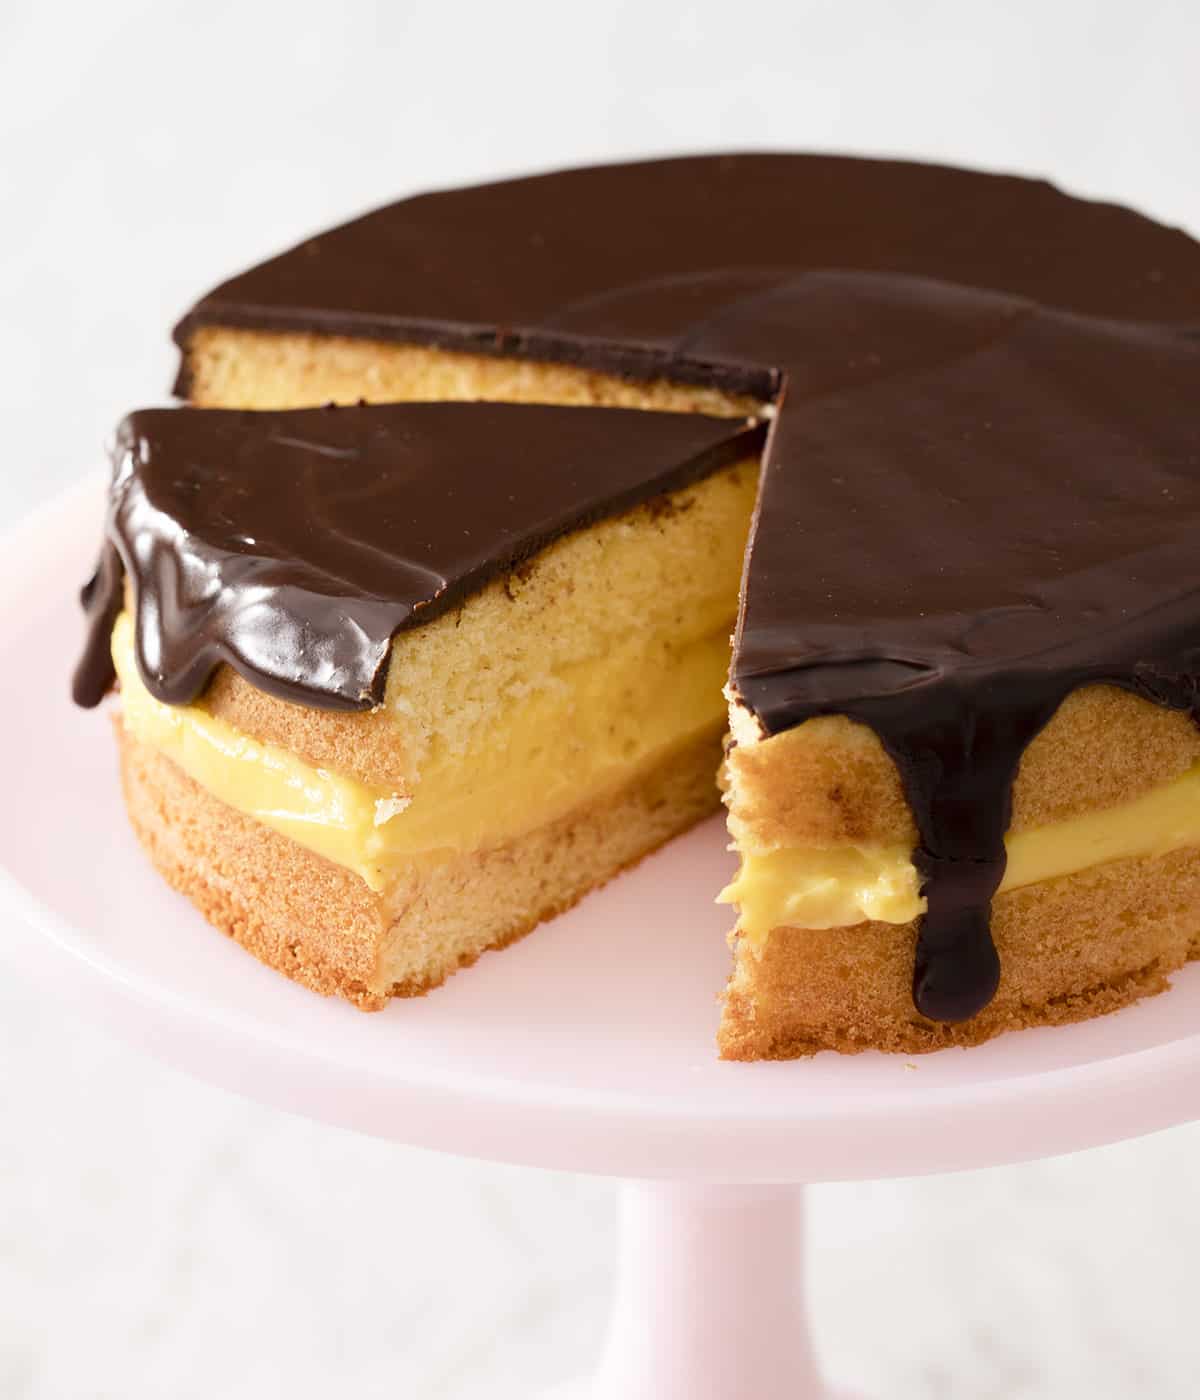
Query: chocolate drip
(970, 506)
(294, 545)
(101, 597)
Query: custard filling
(833, 887)
(603, 722)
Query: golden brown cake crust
(321, 926)
(1070, 949)
(230, 367)
(306, 917)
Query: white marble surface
(161, 1239)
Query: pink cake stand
(587, 1047)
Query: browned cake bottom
(1070, 949)
(320, 924)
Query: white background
(161, 1239)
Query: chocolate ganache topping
(294, 545)
(981, 483)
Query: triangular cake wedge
(514, 623)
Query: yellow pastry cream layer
(837, 886)
(602, 723)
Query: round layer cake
(961, 767)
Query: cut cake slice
(510, 645)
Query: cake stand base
(709, 1299)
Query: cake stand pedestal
(708, 1300)
(587, 1047)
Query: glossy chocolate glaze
(294, 545)
(971, 505)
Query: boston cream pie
(968, 637)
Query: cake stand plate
(586, 1047)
